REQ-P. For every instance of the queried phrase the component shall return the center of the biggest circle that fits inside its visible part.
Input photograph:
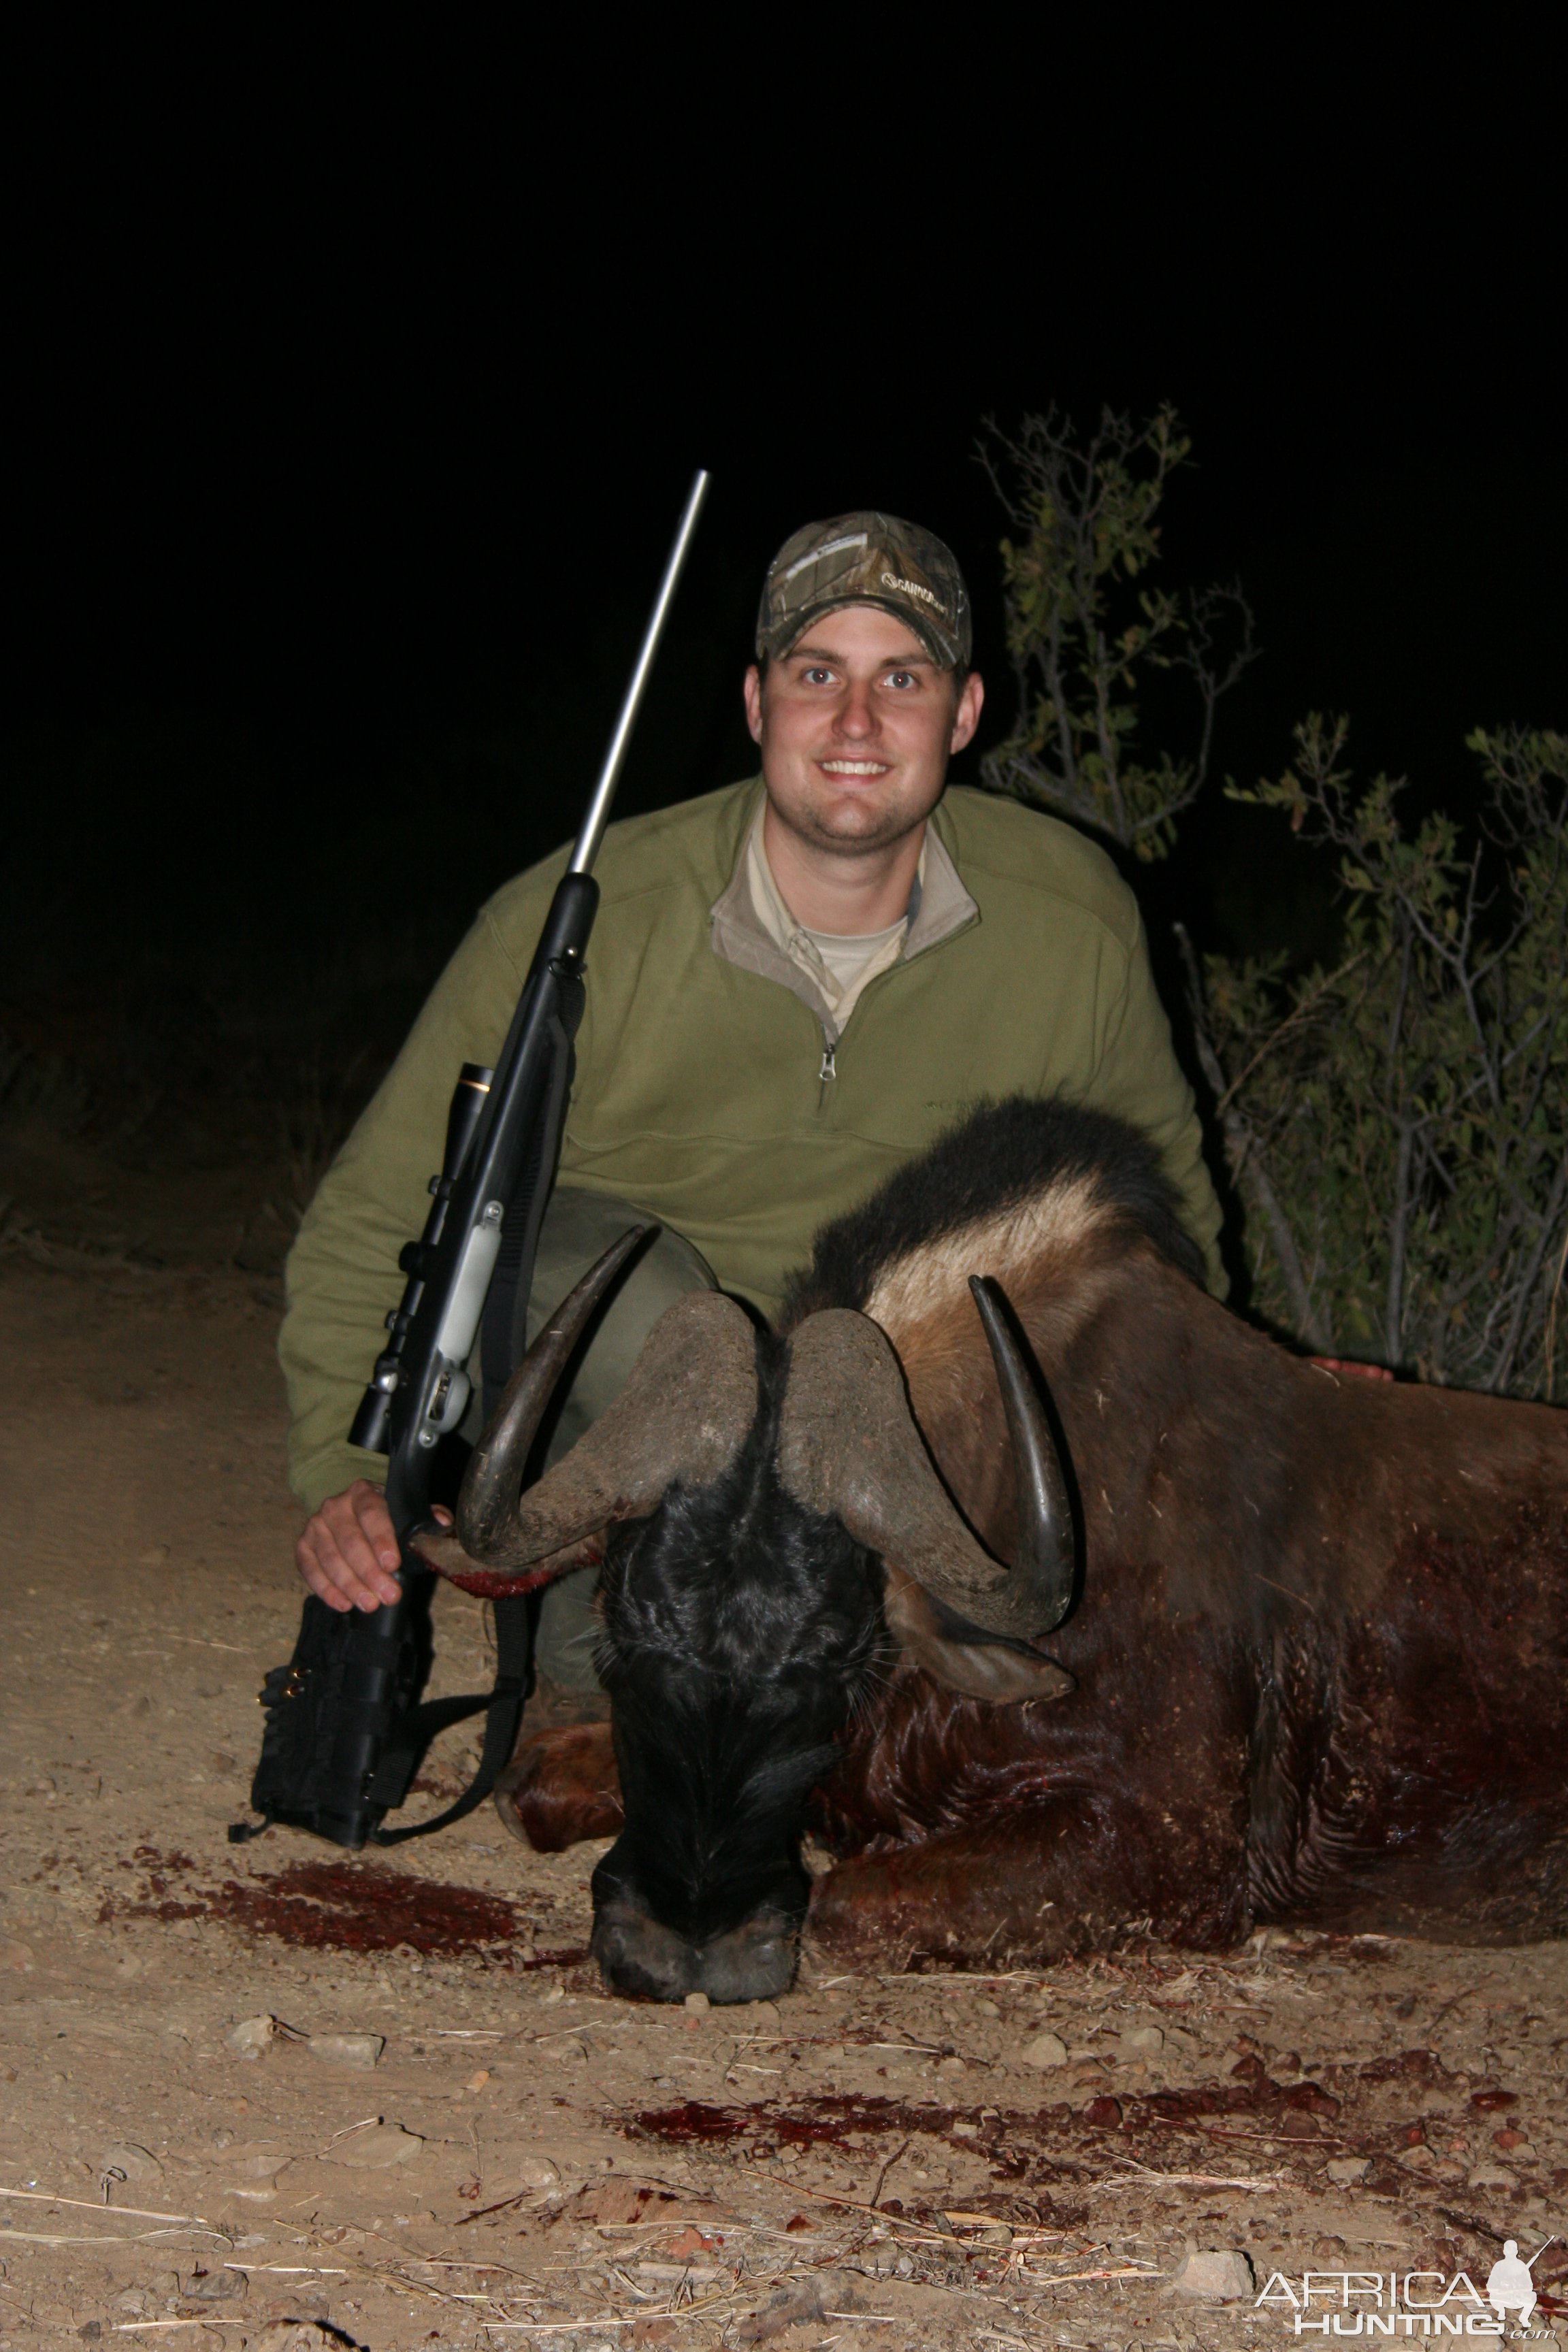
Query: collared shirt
(839, 964)
(753, 927)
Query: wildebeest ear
(962, 1656)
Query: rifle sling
(503, 1707)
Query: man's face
(857, 724)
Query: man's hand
(348, 1552)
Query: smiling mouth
(854, 767)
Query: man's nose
(855, 717)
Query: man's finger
(374, 1520)
(365, 1557)
(340, 1561)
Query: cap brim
(942, 650)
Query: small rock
(129, 2157)
(951, 2066)
(1487, 2175)
(17, 1956)
(1347, 2168)
(256, 2161)
(360, 2049)
(1140, 2041)
(966, 2131)
(532, 2172)
(1420, 2158)
(801, 2300)
(252, 2035)
(1044, 2051)
(696, 2003)
(222, 2286)
(373, 2150)
(1217, 2277)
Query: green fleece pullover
(714, 1092)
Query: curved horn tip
(1047, 1532)
(493, 1479)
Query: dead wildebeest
(1308, 1665)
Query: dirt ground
(192, 2154)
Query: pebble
(1487, 2175)
(1140, 2041)
(129, 2157)
(360, 2049)
(533, 2172)
(1217, 2277)
(696, 2003)
(1044, 2051)
(252, 2035)
(373, 2150)
(224, 2284)
(258, 2160)
(1347, 2168)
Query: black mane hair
(997, 1156)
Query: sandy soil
(527, 2162)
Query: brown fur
(1321, 1653)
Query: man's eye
(818, 677)
(901, 678)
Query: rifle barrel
(587, 843)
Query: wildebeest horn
(848, 1444)
(690, 1400)
(1047, 1552)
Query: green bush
(1397, 1126)
(1085, 630)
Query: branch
(1246, 1164)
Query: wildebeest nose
(639, 1956)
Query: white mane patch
(1049, 1223)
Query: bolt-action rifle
(345, 1725)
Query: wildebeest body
(1318, 1655)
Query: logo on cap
(868, 559)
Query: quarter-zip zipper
(830, 1060)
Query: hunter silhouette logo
(1510, 2286)
(1416, 2303)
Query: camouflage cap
(868, 559)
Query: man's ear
(751, 692)
(961, 1656)
(966, 718)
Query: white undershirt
(840, 964)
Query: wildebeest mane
(1000, 1156)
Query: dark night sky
(356, 393)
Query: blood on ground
(344, 1906)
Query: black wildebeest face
(772, 1530)
(740, 1631)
